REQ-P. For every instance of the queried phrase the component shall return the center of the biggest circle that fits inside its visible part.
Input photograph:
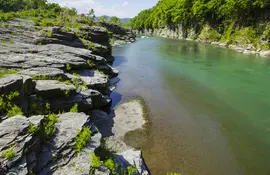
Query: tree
(91, 14)
(116, 20)
(103, 18)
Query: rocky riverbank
(204, 36)
(55, 84)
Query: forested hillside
(216, 20)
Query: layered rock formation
(52, 85)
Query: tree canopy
(15, 5)
(172, 12)
(116, 20)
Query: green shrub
(67, 82)
(209, 34)
(68, 29)
(228, 31)
(95, 161)
(76, 74)
(49, 128)
(7, 107)
(47, 23)
(67, 93)
(110, 165)
(83, 85)
(49, 34)
(245, 36)
(6, 25)
(12, 95)
(9, 153)
(74, 108)
(37, 107)
(77, 26)
(14, 110)
(5, 72)
(32, 129)
(91, 64)
(131, 170)
(36, 21)
(83, 137)
(4, 17)
(68, 67)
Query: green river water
(209, 106)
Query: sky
(119, 8)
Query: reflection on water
(210, 106)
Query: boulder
(14, 135)
(98, 100)
(95, 80)
(10, 83)
(128, 117)
(86, 99)
(239, 49)
(11, 129)
(66, 103)
(107, 69)
(265, 53)
(80, 164)
(24, 85)
(132, 158)
(60, 151)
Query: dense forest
(225, 18)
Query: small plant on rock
(131, 170)
(67, 82)
(91, 64)
(5, 72)
(49, 127)
(76, 74)
(68, 67)
(32, 129)
(74, 108)
(83, 137)
(84, 85)
(67, 93)
(95, 162)
(7, 107)
(49, 34)
(9, 153)
(6, 25)
(14, 110)
(110, 165)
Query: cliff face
(206, 34)
(54, 86)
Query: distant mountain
(124, 20)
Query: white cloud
(83, 6)
(120, 8)
(125, 3)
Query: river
(209, 106)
